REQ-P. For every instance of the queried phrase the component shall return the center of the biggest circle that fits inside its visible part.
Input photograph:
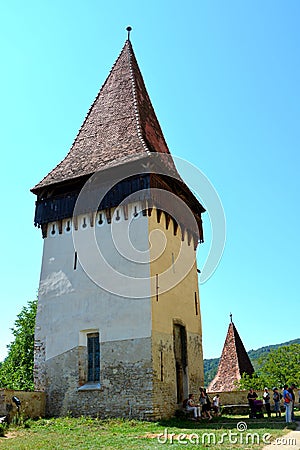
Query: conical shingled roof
(120, 126)
(233, 363)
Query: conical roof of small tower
(233, 363)
(121, 126)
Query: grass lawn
(86, 433)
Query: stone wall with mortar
(125, 382)
(164, 382)
(237, 397)
(39, 365)
(32, 403)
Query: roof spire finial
(230, 315)
(128, 30)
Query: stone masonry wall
(39, 365)
(32, 403)
(237, 397)
(125, 382)
(3, 409)
(164, 378)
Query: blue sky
(224, 81)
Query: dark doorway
(180, 354)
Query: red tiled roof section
(120, 126)
(152, 133)
(233, 363)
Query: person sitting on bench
(192, 406)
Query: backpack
(184, 404)
(286, 397)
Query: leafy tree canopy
(280, 366)
(16, 372)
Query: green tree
(280, 366)
(16, 372)
(254, 381)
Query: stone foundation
(125, 382)
(164, 380)
(39, 365)
(237, 397)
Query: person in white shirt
(216, 404)
(266, 397)
(192, 406)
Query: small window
(93, 348)
(75, 261)
(196, 304)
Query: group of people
(287, 395)
(202, 409)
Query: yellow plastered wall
(174, 286)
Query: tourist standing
(291, 391)
(205, 403)
(288, 401)
(202, 398)
(266, 398)
(252, 396)
(216, 404)
(276, 398)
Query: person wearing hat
(276, 398)
(266, 398)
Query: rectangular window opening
(161, 367)
(75, 260)
(196, 304)
(93, 348)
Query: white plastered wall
(70, 302)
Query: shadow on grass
(230, 422)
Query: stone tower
(233, 363)
(118, 319)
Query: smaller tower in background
(233, 363)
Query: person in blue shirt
(288, 402)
